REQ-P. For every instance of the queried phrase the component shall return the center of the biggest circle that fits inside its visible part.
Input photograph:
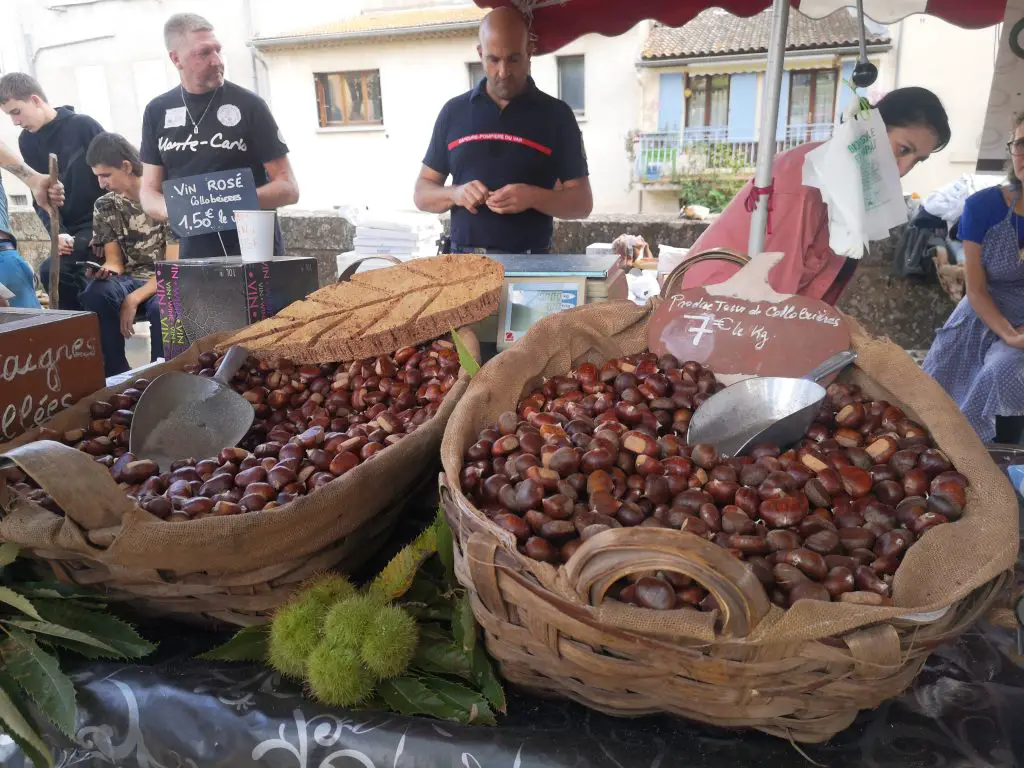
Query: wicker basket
(220, 571)
(801, 674)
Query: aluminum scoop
(768, 409)
(181, 416)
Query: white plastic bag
(859, 182)
(947, 202)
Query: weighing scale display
(528, 301)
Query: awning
(1006, 98)
(558, 22)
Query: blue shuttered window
(670, 101)
(742, 106)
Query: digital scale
(538, 285)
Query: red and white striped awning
(558, 22)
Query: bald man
(515, 154)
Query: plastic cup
(255, 234)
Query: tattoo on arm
(20, 170)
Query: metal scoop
(181, 416)
(769, 409)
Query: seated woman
(132, 243)
(917, 126)
(978, 356)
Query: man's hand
(512, 198)
(128, 309)
(65, 244)
(470, 195)
(99, 274)
(48, 196)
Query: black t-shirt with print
(235, 130)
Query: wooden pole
(54, 287)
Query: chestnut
(839, 581)
(811, 563)
(808, 590)
(856, 482)
(704, 456)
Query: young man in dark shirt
(208, 124)
(63, 132)
(515, 154)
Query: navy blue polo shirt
(535, 140)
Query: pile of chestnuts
(313, 424)
(604, 447)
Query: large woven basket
(801, 674)
(221, 571)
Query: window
(707, 105)
(812, 101)
(19, 200)
(571, 88)
(349, 98)
(476, 73)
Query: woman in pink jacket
(917, 126)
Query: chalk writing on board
(207, 202)
(765, 308)
(742, 320)
(35, 410)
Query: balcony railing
(665, 157)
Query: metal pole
(769, 122)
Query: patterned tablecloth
(176, 712)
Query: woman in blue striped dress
(978, 356)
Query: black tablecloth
(965, 709)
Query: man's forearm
(277, 194)
(143, 292)
(12, 163)
(433, 197)
(17, 167)
(574, 202)
(153, 203)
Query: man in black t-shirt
(208, 124)
(515, 154)
(65, 133)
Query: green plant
(407, 642)
(711, 190)
(38, 620)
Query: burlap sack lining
(944, 567)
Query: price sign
(742, 327)
(49, 360)
(199, 205)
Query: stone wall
(907, 311)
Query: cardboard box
(203, 296)
(49, 360)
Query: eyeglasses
(1016, 147)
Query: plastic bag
(948, 202)
(859, 182)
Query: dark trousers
(72, 272)
(72, 282)
(105, 297)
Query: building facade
(356, 85)
(363, 94)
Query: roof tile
(715, 32)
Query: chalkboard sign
(743, 327)
(199, 205)
(49, 360)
